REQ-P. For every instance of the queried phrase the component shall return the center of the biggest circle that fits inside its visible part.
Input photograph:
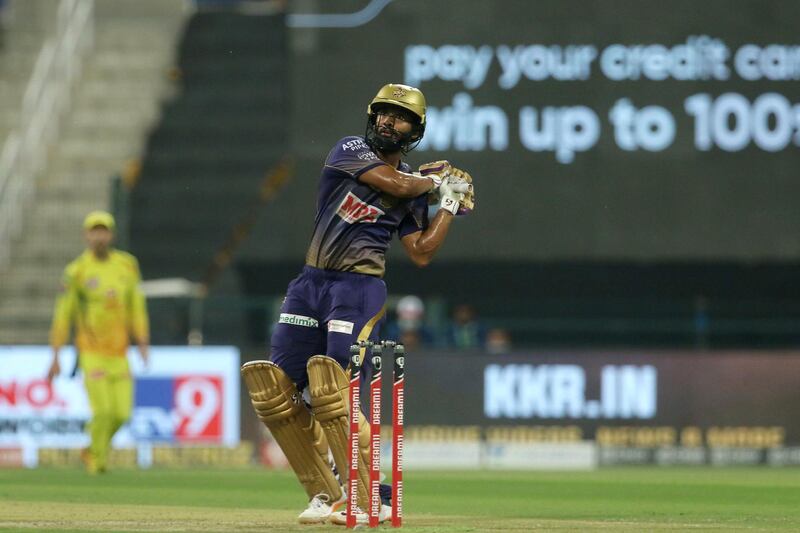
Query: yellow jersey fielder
(100, 297)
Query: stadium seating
(216, 142)
(115, 103)
(207, 158)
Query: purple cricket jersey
(355, 223)
(339, 296)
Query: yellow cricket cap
(98, 218)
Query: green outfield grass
(629, 499)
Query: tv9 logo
(184, 408)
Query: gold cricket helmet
(404, 96)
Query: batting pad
(280, 407)
(330, 403)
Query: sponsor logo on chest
(355, 144)
(353, 210)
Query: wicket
(358, 353)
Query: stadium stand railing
(46, 100)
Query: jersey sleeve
(352, 156)
(416, 219)
(137, 307)
(65, 307)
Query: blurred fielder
(101, 298)
(366, 194)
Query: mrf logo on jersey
(354, 210)
(185, 408)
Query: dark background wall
(676, 227)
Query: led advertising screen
(632, 130)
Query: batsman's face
(393, 123)
(99, 239)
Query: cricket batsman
(366, 194)
(101, 299)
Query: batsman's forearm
(432, 238)
(397, 183)
(410, 186)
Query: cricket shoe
(362, 519)
(319, 509)
(88, 460)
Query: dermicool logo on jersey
(353, 210)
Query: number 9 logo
(198, 405)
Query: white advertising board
(185, 395)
